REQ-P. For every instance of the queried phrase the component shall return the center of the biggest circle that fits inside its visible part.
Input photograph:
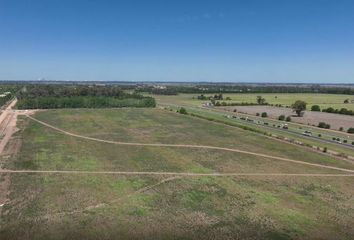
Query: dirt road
(7, 127)
(8, 120)
(183, 174)
(191, 146)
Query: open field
(104, 206)
(323, 100)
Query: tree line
(344, 111)
(242, 88)
(76, 96)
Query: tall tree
(299, 106)
(260, 100)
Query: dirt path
(7, 128)
(8, 120)
(183, 174)
(191, 146)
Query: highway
(289, 131)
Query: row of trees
(260, 101)
(76, 96)
(218, 103)
(244, 88)
(55, 90)
(163, 91)
(83, 102)
(343, 111)
(214, 97)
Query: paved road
(349, 146)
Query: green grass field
(323, 100)
(64, 206)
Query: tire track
(190, 146)
(182, 174)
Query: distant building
(160, 87)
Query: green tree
(264, 114)
(281, 117)
(261, 100)
(323, 125)
(299, 106)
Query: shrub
(325, 149)
(339, 111)
(281, 117)
(344, 111)
(353, 143)
(329, 110)
(341, 129)
(350, 130)
(319, 135)
(323, 125)
(257, 114)
(182, 110)
(315, 108)
(264, 114)
(288, 119)
(345, 140)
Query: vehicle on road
(307, 133)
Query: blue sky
(235, 41)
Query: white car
(307, 133)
